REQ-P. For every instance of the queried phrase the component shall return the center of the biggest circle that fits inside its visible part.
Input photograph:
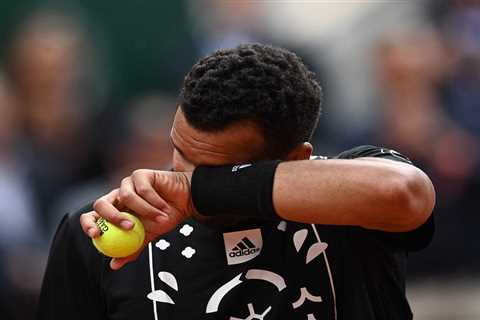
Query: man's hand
(161, 199)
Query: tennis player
(249, 225)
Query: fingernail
(112, 264)
(126, 224)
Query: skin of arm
(372, 193)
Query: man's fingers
(117, 263)
(129, 198)
(143, 182)
(105, 207)
(89, 226)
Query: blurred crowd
(88, 91)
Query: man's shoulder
(69, 231)
(83, 209)
(71, 220)
(367, 151)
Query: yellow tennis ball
(118, 243)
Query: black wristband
(241, 190)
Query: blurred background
(88, 91)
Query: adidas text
(245, 252)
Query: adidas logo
(244, 248)
(240, 167)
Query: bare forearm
(373, 193)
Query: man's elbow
(413, 198)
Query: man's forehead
(236, 143)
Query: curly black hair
(266, 85)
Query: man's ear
(301, 152)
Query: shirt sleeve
(412, 240)
(373, 151)
(71, 286)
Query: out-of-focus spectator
(49, 67)
(412, 69)
(18, 219)
(223, 24)
(146, 138)
(460, 95)
(141, 139)
(21, 244)
(461, 92)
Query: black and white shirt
(257, 270)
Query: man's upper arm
(412, 240)
(71, 284)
